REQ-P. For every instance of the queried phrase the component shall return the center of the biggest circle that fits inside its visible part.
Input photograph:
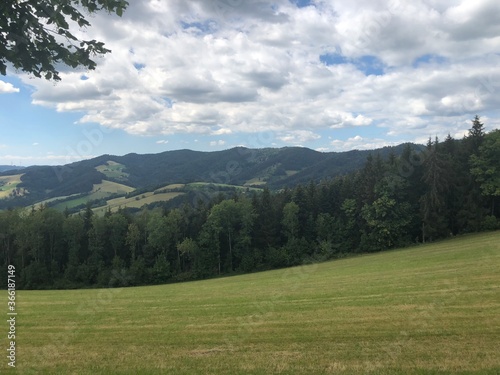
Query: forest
(451, 187)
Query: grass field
(37, 205)
(256, 181)
(114, 170)
(431, 309)
(209, 185)
(135, 202)
(9, 183)
(99, 191)
(171, 186)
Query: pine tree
(475, 136)
(433, 202)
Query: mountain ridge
(272, 167)
(5, 168)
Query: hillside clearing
(136, 201)
(209, 185)
(99, 191)
(429, 309)
(8, 184)
(113, 170)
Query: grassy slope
(9, 183)
(100, 191)
(202, 185)
(113, 170)
(433, 309)
(135, 202)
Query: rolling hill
(275, 168)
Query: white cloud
(217, 67)
(162, 142)
(220, 142)
(7, 88)
(299, 136)
(359, 143)
(322, 149)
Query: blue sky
(214, 74)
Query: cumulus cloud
(216, 67)
(7, 88)
(220, 142)
(299, 136)
(360, 143)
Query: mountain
(4, 168)
(272, 167)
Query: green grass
(256, 181)
(136, 201)
(8, 184)
(431, 309)
(202, 185)
(50, 200)
(99, 191)
(114, 170)
(170, 187)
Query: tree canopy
(36, 35)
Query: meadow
(113, 170)
(429, 309)
(8, 184)
(135, 202)
(99, 191)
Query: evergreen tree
(433, 202)
(475, 136)
(485, 167)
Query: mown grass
(431, 309)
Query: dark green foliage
(386, 224)
(485, 167)
(36, 35)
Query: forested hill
(4, 168)
(449, 188)
(274, 168)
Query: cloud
(35, 144)
(299, 137)
(218, 67)
(360, 143)
(162, 142)
(220, 142)
(7, 88)
(322, 149)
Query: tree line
(448, 188)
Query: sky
(214, 74)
